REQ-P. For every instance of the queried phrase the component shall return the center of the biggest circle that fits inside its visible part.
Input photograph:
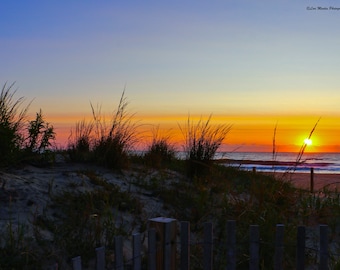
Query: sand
(303, 180)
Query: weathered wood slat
(254, 247)
(76, 263)
(167, 246)
(279, 247)
(152, 249)
(231, 245)
(300, 248)
(119, 258)
(185, 245)
(208, 246)
(323, 265)
(100, 258)
(136, 250)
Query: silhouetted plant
(38, 143)
(299, 159)
(103, 143)
(113, 143)
(12, 117)
(160, 152)
(202, 141)
(40, 134)
(80, 143)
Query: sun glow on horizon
(248, 133)
(308, 141)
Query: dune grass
(81, 141)
(202, 140)
(21, 140)
(12, 117)
(105, 142)
(304, 145)
(160, 152)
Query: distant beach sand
(303, 180)
(298, 179)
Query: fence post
(208, 246)
(76, 263)
(278, 256)
(119, 260)
(166, 231)
(100, 258)
(231, 245)
(152, 249)
(300, 248)
(323, 247)
(254, 247)
(136, 250)
(185, 245)
(311, 180)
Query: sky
(252, 64)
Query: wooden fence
(162, 248)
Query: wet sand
(303, 180)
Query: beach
(303, 180)
(326, 167)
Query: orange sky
(248, 133)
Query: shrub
(202, 140)
(111, 152)
(11, 124)
(38, 143)
(160, 152)
(106, 145)
(113, 143)
(40, 134)
(80, 143)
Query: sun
(308, 141)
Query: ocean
(320, 162)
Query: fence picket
(323, 265)
(136, 250)
(167, 246)
(152, 249)
(119, 260)
(76, 263)
(185, 245)
(100, 258)
(231, 245)
(300, 248)
(208, 246)
(254, 247)
(279, 246)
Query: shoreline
(270, 162)
(301, 177)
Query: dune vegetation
(194, 189)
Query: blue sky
(221, 57)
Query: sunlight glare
(308, 141)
